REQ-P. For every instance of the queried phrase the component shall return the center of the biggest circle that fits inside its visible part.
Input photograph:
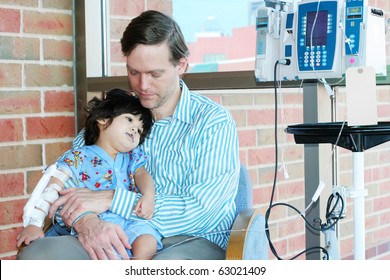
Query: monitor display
(316, 28)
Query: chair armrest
(248, 240)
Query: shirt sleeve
(138, 158)
(207, 196)
(69, 163)
(79, 140)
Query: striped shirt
(194, 161)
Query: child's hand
(144, 208)
(29, 234)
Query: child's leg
(144, 247)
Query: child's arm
(144, 182)
(37, 207)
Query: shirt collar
(183, 108)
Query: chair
(248, 240)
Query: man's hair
(154, 28)
(112, 104)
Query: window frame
(195, 81)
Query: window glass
(220, 34)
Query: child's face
(122, 135)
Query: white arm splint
(37, 207)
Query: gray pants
(69, 248)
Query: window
(220, 34)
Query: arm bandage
(44, 194)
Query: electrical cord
(271, 204)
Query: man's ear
(183, 65)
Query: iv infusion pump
(319, 39)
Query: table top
(354, 138)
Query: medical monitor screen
(262, 22)
(354, 12)
(316, 28)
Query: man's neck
(168, 109)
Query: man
(193, 159)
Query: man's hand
(78, 201)
(102, 240)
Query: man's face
(154, 79)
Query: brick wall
(37, 121)
(37, 125)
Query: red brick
(118, 71)
(32, 180)
(57, 4)
(57, 50)
(384, 248)
(20, 156)
(294, 189)
(243, 157)
(376, 174)
(281, 248)
(262, 99)
(346, 247)
(59, 101)
(12, 184)
(266, 175)
(261, 155)
(19, 48)
(237, 100)
(296, 243)
(382, 4)
(9, 20)
(116, 53)
(50, 127)
(383, 110)
(370, 252)
(15, 102)
(48, 23)
(382, 234)
(292, 115)
(11, 211)
(384, 188)
(25, 3)
(162, 6)
(48, 75)
(128, 8)
(262, 195)
(118, 26)
(54, 150)
(247, 138)
(8, 239)
(294, 99)
(291, 226)
(10, 75)
(239, 117)
(14, 128)
(261, 117)
(382, 203)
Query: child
(115, 126)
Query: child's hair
(112, 104)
